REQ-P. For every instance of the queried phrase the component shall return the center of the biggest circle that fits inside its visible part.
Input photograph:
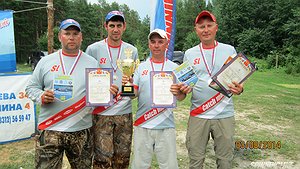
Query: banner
(17, 112)
(163, 16)
(7, 42)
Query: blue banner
(17, 111)
(163, 16)
(7, 42)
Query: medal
(115, 77)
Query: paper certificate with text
(98, 83)
(161, 82)
(238, 69)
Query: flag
(7, 42)
(163, 16)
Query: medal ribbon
(74, 64)
(115, 67)
(209, 70)
(162, 67)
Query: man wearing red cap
(211, 112)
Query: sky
(141, 6)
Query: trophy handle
(137, 63)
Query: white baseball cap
(160, 32)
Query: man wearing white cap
(211, 112)
(154, 134)
(58, 85)
(113, 125)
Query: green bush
(293, 65)
(271, 59)
(261, 64)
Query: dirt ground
(244, 159)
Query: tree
(187, 10)
(28, 26)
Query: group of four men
(101, 136)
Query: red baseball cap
(205, 13)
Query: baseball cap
(112, 14)
(69, 22)
(160, 32)
(205, 13)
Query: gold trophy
(127, 67)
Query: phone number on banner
(15, 118)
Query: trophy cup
(127, 67)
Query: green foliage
(273, 56)
(31, 27)
(284, 59)
(255, 27)
(261, 64)
(141, 50)
(191, 40)
(28, 26)
(258, 27)
(43, 41)
(92, 18)
(292, 43)
(293, 67)
(255, 42)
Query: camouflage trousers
(51, 146)
(112, 141)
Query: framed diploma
(161, 82)
(185, 74)
(237, 69)
(98, 83)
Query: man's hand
(47, 97)
(180, 90)
(186, 89)
(126, 79)
(236, 88)
(114, 89)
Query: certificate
(237, 69)
(161, 82)
(185, 74)
(98, 83)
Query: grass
(268, 110)
(23, 68)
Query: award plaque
(161, 96)
(127, 67)
(98, 83)
(238, 69)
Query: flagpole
(50, 11)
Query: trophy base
(127, 91)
